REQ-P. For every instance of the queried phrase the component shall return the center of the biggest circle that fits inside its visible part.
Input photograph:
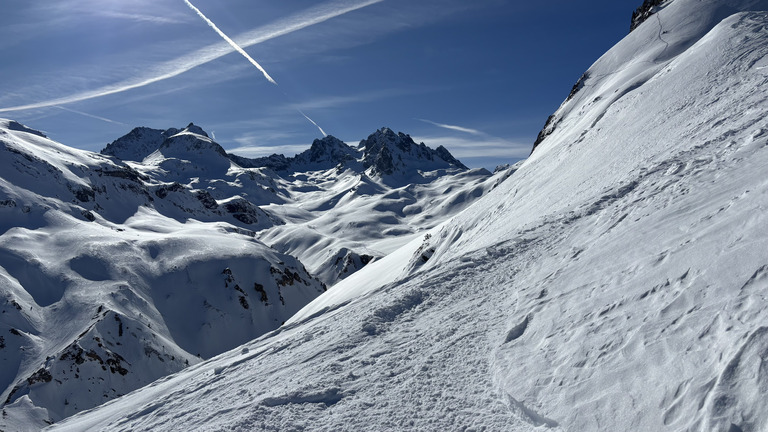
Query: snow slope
(616, 281)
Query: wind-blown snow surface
(616, 281)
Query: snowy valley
(615, 280)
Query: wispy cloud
(138, 17)
(173, 68)
(494, 147)
(337, 101)
(454, 127)
(63, 12)
(481, 145)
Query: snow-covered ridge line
(383, 153)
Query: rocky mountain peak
(195, 129)
(386, 152)
(141, 141)
(326, 153)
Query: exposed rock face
(275, 162)
(643, 13)
(386, 152)
(326, 153)
(344, 263)
(549, 127)
(383, 153)
(445, 155)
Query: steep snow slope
(102, 292)
(616, 281)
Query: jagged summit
(324, 153)
(138, 143)
(383, 153)
(195, 129)
(386, 152)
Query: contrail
(209, 53)
(250, 59)
(231, 42)
(453, 127)
(89, 115)
(312, 121)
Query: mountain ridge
(373, 154)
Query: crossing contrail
(231, 42)
(175, 67)
(249, 58)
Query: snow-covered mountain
(107, 281)
(383, 154)
(334, 206)
(618, 280)
(117, 269)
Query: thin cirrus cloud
(173, 68)
(487, 146)
(484, 145)
(139, 17)
(453, 127)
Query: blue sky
(477, 77)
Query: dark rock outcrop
(643, 13)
